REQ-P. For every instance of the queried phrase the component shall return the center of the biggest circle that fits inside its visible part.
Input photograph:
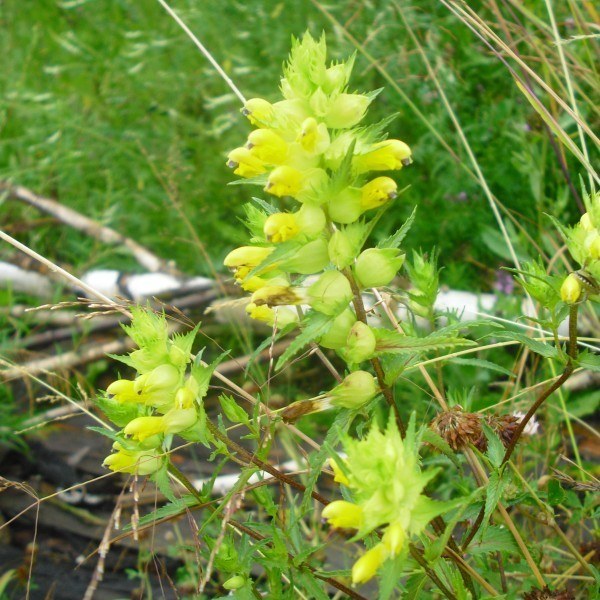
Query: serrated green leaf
(493, 539)
(234, 412)
(541, 348)
(495, 450)
(120, 413)
(494, 490)
(394, 240)
(589, 361)
(315, 325)
(176, 507)
(440, 444)
(392, 341)
(481, 364)
(163, 483)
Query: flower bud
(343, 514)
(342, 249)
(345, 207)
(284, 181)
(355, 391)
(310, 219)
(258, 111)
(281, 227)
(125, 461)
(330, 294)
(376, 267)
(276, 295)
(336, 78)
(337, 335)
(367, 565)
(267, 146)
(235, 582)
(586, 222)
(570, 291)
(393, 538)
(338, 474)
(346, 111)
(383, 156)
(360, 344)
(311, 258)
(377, 192)
(244, 163)
(313, 136)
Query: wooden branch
(74, 219)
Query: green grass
(110, 109)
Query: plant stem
(386, 390)
(418, 556)
(251, 458)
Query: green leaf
(176, 507)
(545, 350)
(494, 538)
(590, 361)
(315, 325)
(440, 444)
(120, 413)
(394, 240)
(494, 491)
(163, 482)
(481, 364)
(234, 412)
(495, 450)
(392, 341)
(556, 494)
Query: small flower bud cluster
(163, 399)
(583, 242)
(383, 476)
(309, 148)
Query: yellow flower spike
(393, 538)
(276, 295)
(284, 181)
(267, 146)
(383, 156)
(144, 427)
(367, 565)
(342, 514)
(246, 256)
(338, 474)
(571, 289)
(244, 163)
(123, 390)
(258, 111)
(281, 227)
(313, 136)
(377, 192)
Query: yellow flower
(281, 227)
(338, 474)
(280, 315)
(244, 163)
(571, 289)
(366, 566)
(313, 137)
(343, 514)
(393, 538)
(144, 427)
(258, 111)
(142, 462)
(284, 181)
(377, 192)
(123, 390)
(158, 387)
(276, 295)
(383, 156)
(267, 146)
(246, 256)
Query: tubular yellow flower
(123, 391)
(343, 514)
(276, 295)
(284, 181)
(571, 289)
(366, 566)
(246, 256)
(158, 387)
(179, 419)
(281, 227)
(280, 315)
(258, 111)
(126, 461)
(145, 427)
(313, 136)
(393, 538)
(377, 192)
(338, 474)
(267, 146)
(383, 156)
(244, 163)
